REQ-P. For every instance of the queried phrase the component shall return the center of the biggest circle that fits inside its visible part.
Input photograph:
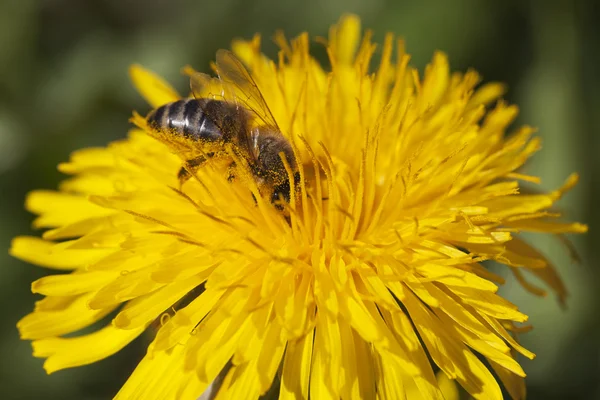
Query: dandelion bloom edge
(408, 184)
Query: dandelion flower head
(370, 284)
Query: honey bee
(233, 123)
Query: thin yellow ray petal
(423, 378)
(152, 87)
(295, 304)
(270, 357)
(88, 158)
(321, 385)
(514, 384)
(76, 315)
(180, 326)
(489, 303)
(344, 38)
(296, 368)
(52, 255)
(448, 389)
(251, 337)
(54, 303)
(389, 378)
(454, 277)
(239, 384)
(354, 377)
(59, 209)
(191, 387)
(215, 341)
(447, 386)
(453, 308)
(324, 291)
(256, 376)
(124, 286)
(143, 310)
(435, 81)
(544, 226)
(74, 283)
(520, 254)
(506, 336)
(365, 361)
(486, 94)
(64, 353)
(451, 355)
(155, 363)
(363, 321)
(495, 351)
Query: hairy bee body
(228, 117)
(189, 118)
(217, 122)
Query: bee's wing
(204, 86)
(241, 87)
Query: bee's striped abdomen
(186, 118)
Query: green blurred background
(64, 85)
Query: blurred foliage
(64, 85)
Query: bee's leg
(185, 172)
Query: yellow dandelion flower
(366, 285)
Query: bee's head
(268, 147)
(282, 192)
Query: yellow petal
(321, 385)
(490, 304)
(344, 38)
(145, 309)
(520, 254)
(58, 209)
(213, 343)
(365, 361)
(255, 377)
(152, 87)
(296, 368)
(422, 377)
(487, 93)
(435, 82)
(548, 226)
(74, 283)
(73, 352)
(185, 320)
(52, 255)
(74, 316)
(451, 355)
(506, 336)
(514, 384)
(454, 277)
(447, 386)
(96, 158)
(389, 382)
(456, 311)
(142, 384)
